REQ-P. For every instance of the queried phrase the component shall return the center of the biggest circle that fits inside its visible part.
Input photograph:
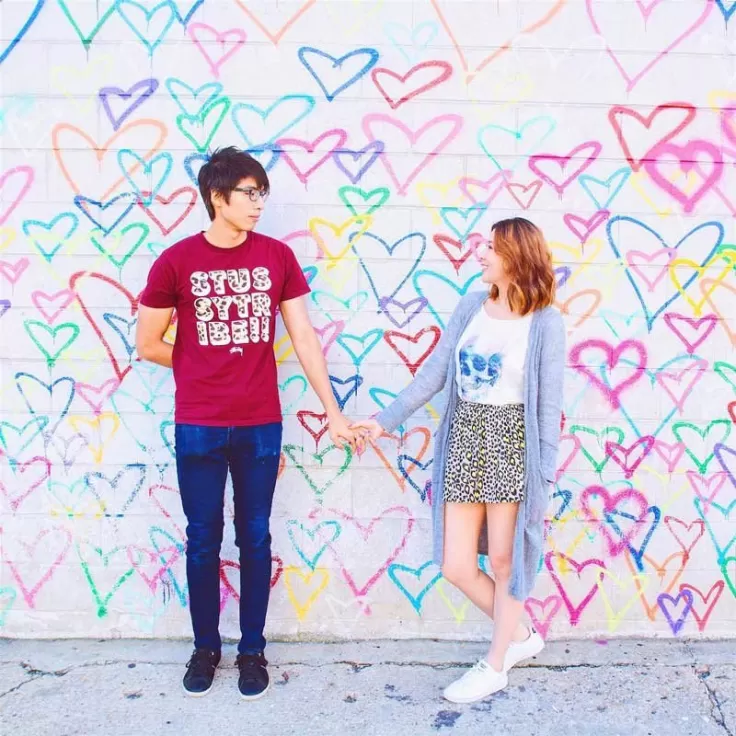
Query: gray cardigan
(543, 383)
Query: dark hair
(224, 170)
(526, 257)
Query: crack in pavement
(717, 706)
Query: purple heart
(562, 273)
(4, 306)
(374, 148)
(416, 306)
(148, 87)
(676, 624)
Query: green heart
(362, 199)
(726, 371)
(201, 121)
(345, 305)
(39, 331)
(105, 558)
(118, 242)
(87, 40)
(39, 424)
(730, 580)
(702, 433)
(294, 451)
(598, 464)
(285, 385)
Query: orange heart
(62, 151)
(505, 46)
(710, 287)
(666, 584)
(564, 307)
(426, 434)
(276, 37)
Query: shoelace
(249, 665)
(201, 661)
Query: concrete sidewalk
(387, 688)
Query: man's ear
(217, 199)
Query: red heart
(322, 424)
(469, 247)
(732, 411)
(227, 589)
(717, 589)
(390, 335)
(444, 73)
(133, 301)
(535, 186)
(616, 112)
(165, 201)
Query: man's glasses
(253, 194)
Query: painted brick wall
(395, 133)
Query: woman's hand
(366, 428)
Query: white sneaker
(521, 650)
(480, 681)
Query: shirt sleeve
(295, 283)
(160, 290)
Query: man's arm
(309, 352)
(149, 335)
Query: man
(225, 284)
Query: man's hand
(366, 428)
(340, 432)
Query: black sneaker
(200, 672)
(253, 682)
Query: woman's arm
(551, 382)
(429, 380)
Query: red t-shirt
(225, 300)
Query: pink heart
(13, 271)
(670, 453)
(679, 385)
(583, 228)
(319, 154)
(58, 301)
(686, 159)
(648, 258)
(20, 177)
(199, 31)
(148, 563)
(493, 185)
(617, 544)
(701, 328)
(706, 487)
(590, 151)
(545, 611)
(385, 525)
(620, 454)
(613, 355)
(453, 123)
(96, 396)
(597, 566)
(17, 495)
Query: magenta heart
(611, 503)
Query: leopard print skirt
(485, 459)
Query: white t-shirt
(489, 359)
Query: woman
(501, 361)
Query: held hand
(340, 432)
(366, 428)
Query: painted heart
(205, 37)
(16, 26)
(564, 568)
(260, 127)
(614, 504)
(414, 582)
(15, 183)
(441, 130)
(419, 79)
(311, 543)
(709, 599)
(132, 99)
(28, 476)
(426, 338)
(347, 159)
(561, 174)
(313, 471)
(275, 37)
(336, 74)
(315, 152)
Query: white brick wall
(91, 528)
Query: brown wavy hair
(528, 262)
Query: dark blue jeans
(203, 457)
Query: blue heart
(636, 554)
(302, 104)
(415, 600)
(146, 168)
(727, 11)
(311, 562)
(401, 461)
(59, 407)
(184, 18)
(135, 469)
(337, 62)
(403, 274)
(118, 323)
(79, 200)
(23, 30)
(620, 176)
(373, 337)
(163, 6)
(433, 275)
(353, 382)
(432, 27)
(469, 218)
(214, 89)
(374, 148)
(48, 227)
(651, 315)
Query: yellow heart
(434, 195)
(637, 181)
(693, 265)
(105, 425)
(640, 583)
(357, 10)
(513, 89)
(340, 274)
(720, 98)
(575, 256)
(332, 242)
(460, 612)
(7, 236)
(61, 74)
(302, 606)
(664, 482)
(559, 526)
(283, 348)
